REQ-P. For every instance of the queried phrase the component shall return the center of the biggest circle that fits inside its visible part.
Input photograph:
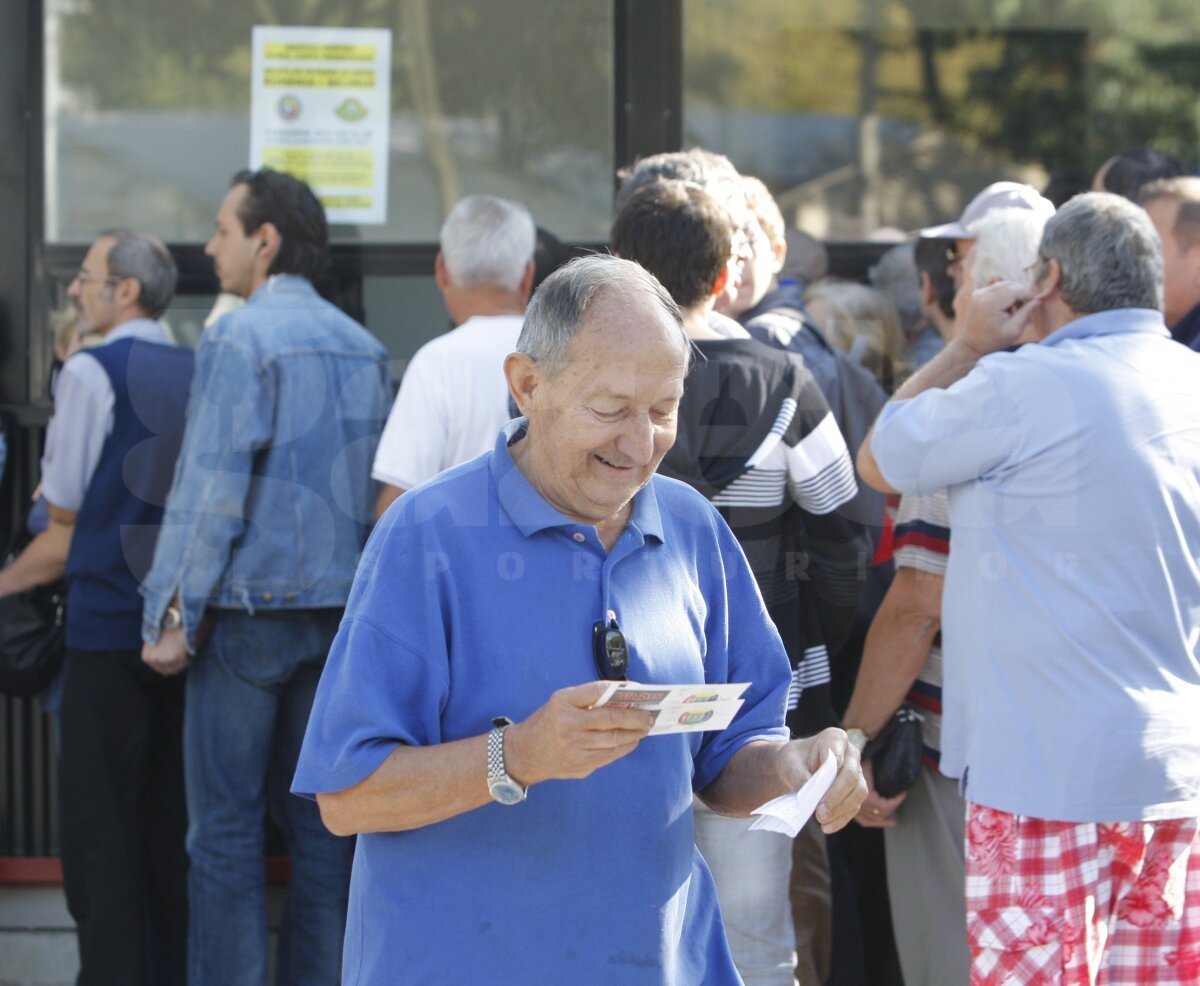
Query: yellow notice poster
(319, 110)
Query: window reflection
(148, 110)
(893, 113)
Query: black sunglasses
(610, 649)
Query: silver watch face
(505, 791)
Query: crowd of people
(967, 492)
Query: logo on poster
(351, 110)
(288, 107)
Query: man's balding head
(556, 312)
(598, 373)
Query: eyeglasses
(610, 649)
(1033, 269)
(83, 276)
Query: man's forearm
(413, 787)
(419, 785)
(762, 770)
(896, 649)
(388, 494)
(43, 561)
(758, 772)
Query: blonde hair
(863, 323)
(766, 211)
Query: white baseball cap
(999, 195)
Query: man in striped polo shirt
(756, 437)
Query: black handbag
(895, 753)
(32, 639)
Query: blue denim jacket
(272, 497)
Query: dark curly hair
(290, 206)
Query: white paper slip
(634, 695)
(787, 814)
(694, 718)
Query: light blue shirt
(1071, 615)
(83, 418)
(475, 599)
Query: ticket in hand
(788, 813)
(678, 708)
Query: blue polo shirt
(1071, 614)
(475, 598)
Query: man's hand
(849, 789)
(876, 812)
(995, 317)
(169, 656)
(567, 738)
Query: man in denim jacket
(264, 523)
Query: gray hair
(895, 276)
(487, 242)
(711, 171)
(1109, 253)
(557, 309)
(1006, 246)
(146, 259)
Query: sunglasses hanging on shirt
(610, 649)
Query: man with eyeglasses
(509, 830)
(109, 457)
(1071, 609)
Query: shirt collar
(1116, 321)
(136, 328)
(530, 512)
(284, 284)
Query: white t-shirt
(453, 401)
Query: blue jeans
(249, 693)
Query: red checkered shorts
(1067, 904)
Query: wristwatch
(857, 738)
(172, 618)
(502, 787)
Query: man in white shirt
(453, 398)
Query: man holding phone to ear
(1071, 610)
(264, 524)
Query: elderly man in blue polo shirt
(1072, 606)
(476, 599)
